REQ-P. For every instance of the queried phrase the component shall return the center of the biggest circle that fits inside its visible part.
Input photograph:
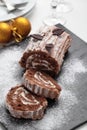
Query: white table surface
(76, 20)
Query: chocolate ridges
(23, 104)
(41, 84)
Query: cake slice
(41, 84)
(46, 50)
(23, 104)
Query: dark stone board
(66, 113)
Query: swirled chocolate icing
(23, 104)
(41, 84)
(25, 97)
(44, 80)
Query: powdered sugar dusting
(57, 115)
(67, 99)
(72, 68)
(10, 71)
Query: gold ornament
(21, 27)
(5, 32)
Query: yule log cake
(23, 104)
(41, 84)
(46, 50)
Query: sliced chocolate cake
(46, 50)
(41, 84)
(23, 104)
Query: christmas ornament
(5, 32)
(21, 27)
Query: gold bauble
(5, 32)
(22, 25)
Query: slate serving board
(64, 114)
